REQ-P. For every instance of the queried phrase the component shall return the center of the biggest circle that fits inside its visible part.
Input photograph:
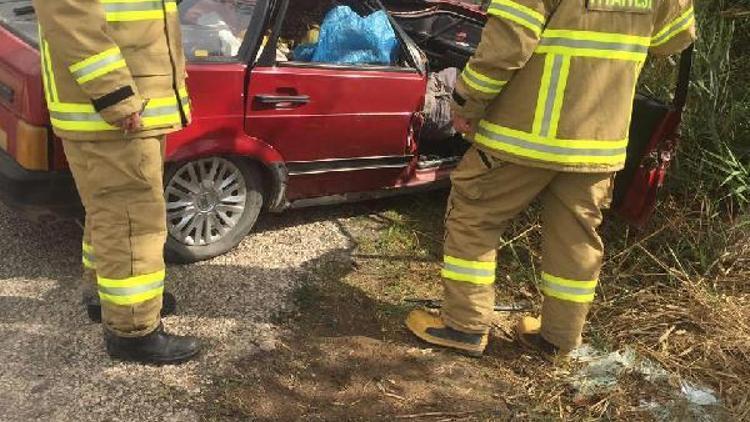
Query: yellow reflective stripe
(480, 82)
(607, 37)
(119, 64)
(87, 256)
(94, 59)
(84, 118)
(569, 290)
(52, 82)
(543, 93)
(87, 263)
(468, 278)
(593, 44)
(134, 281)
(518, 13)
(553, 150)
(598, 54)
(674, 28)
(133, 299)
(167, 120)
(559, 97)
(131, 290)
(75, 126)
(478, 265)
(551, 95)
(137, 10)
(475, 272)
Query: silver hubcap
(205, 200)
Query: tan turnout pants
(487, 193)
(120, 184)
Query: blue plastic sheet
(348, 38)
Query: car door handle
(280, 100)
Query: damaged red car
(277, 123)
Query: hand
(462, 124)
(131, 123)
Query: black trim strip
(299, 168)
(113, 98)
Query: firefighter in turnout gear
(546, 100)
(114, 79)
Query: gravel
(53, 362)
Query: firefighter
(114, 79)
(546, 100)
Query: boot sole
(154, 360)
(429, 340)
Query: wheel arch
(250, 150)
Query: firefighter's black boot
(430, 328)
(157, 347)
(528, 334)
(94, 306)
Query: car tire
(212, 204)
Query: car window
(341, 33)
(213, 30)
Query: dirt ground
(348, 357)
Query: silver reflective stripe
(142, 6)
(93, 67)
(569, 290)
(593, 45)
(160, 111)
(89, 257)
(517, 13)
(76, 117)
(129, 291)
(557, 64)
(610, 152)
(492, 86)
(676, 27)
(469, 271)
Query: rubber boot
(529, 335)
(94, 306)
(431, 329)
(157, 347)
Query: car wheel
(212, 204)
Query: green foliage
(716, 153)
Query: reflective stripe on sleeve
(98, 65)
(569, 290)
(131, 290)
(674, 28)
(475, 272)
(481, 83)
(518, 13)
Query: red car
(269, 132)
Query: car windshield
(213, 30)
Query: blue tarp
(348, 38)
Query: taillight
(32, 150)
